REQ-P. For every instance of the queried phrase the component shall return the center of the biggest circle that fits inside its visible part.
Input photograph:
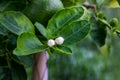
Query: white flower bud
(59, 40)
(51, 42)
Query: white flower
(59, 40)
(51, 42)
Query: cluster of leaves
(32, 23)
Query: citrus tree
(56, 26)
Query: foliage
(27, 25)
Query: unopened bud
(51, 42)
(59, 40)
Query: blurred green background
(88, 61)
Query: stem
(40, 67)
(8, 60)
(92, 6)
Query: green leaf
(62, 49)
(98, 32)
(3, 31)
(28, 44)
(42, 30)
(63, 18)
(16, 22)
(74, 32)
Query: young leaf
(63, 18)
(16, 22)
(62, 49)
(74, 32)
(28, 44)
(42, 29)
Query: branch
(40, 67)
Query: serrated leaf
(42, 30)
(16, 22)
(63, 18)
(63, 50)
(27, 44)
(74, 32)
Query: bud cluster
(58, 41)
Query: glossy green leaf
(63, 50)
(63, 18)
(16, 22)
(42, 30)
(28, 44)
(74, 32)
